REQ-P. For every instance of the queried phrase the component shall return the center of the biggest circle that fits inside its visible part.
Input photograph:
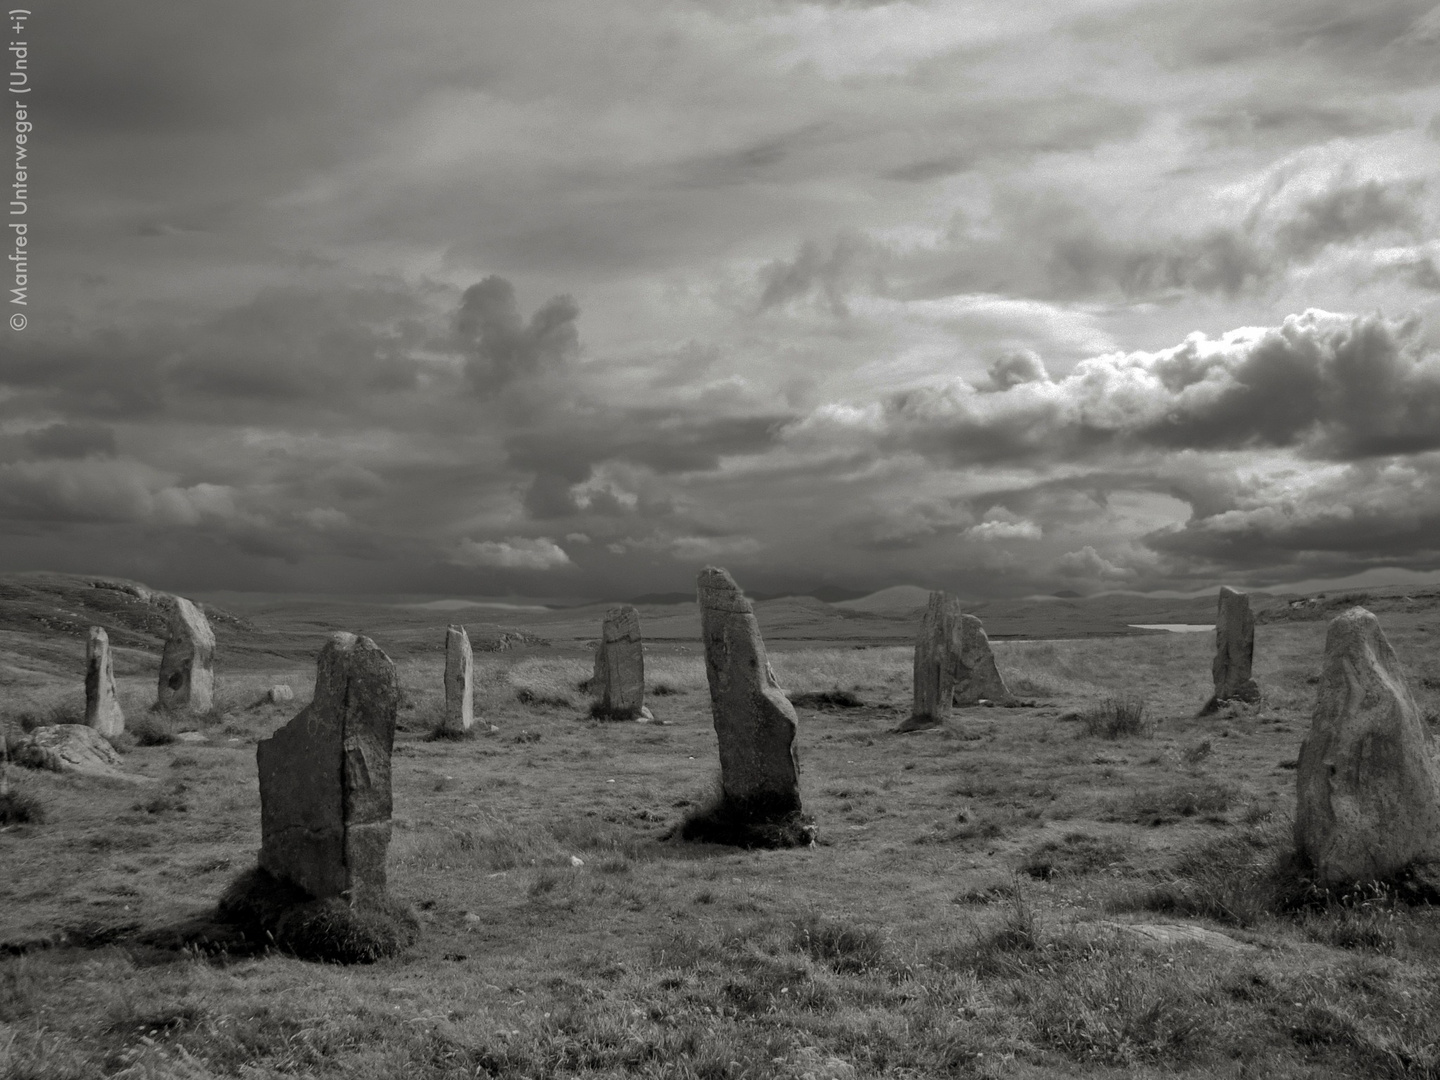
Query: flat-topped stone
(936, 663)
(1234, 651)
(72, 748)
(325, 798)
(619, 677)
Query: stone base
(917, 723)
(733, 825)
(1247, 694)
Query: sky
(569, 299)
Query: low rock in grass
(72, 748)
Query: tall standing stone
(459, 680)
(619, 682)
(1234, 650)
(102, 706)
(977, 677)
(325, 778)
(755, 723)
(937, 659)
(1368, 798)
(187, 674)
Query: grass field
(964, 913)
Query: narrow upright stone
(1368, 798)
(102, 707)
(325, 778)
(937, 661)
(619, 682)
(187, 674)
(977, 678)
(754, 721)
(459, 680)
(1234, 650)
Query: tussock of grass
(152, 729)
(827, 699)
(1074, 855)
(1118, 717)
(847, 948)
(274, 912)
(19, 807)
(719, 820)
(441, 733)
(1168, 803)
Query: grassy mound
(752, 824)
(271, 911)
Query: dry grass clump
(151, 729)
(269, 911)
(1118, 717)
(441, 732)
(845, 947)
(1073, 855)
(1167, 803)
(548, 682)
(19, 807)
(756, 824)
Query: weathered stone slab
(459, 681)
(325, 778)
(72, 748)
(1368, 798)
(1234, 651)
(187, 675)
(279, 694)
(754, 722)
(937, 662)
(977, 678)
(102, 706)
(1168, 935)
(619, 680)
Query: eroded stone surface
(1234, 650)
(755, 723)
(459, 680)
(936, 663)
(72, 748)
(1169, 935)
(279, 694)
(976, 677)
(619, 681)
(1368, 800)
(187, 675)
(325, 777)
(102, 707)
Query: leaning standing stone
(325, 778)
(937, 659)
(459, 680)
(1368, 800)
(977, 678)
(102, 707)
(1234, 651)
(619, 681)
(754, 724)
(187, 675)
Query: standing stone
(619, 681)
(459, 681)
(187, 675)
(1368, 798)
(754, 721)
(102, 707)
(977, 678)
(325, 778)
(1234, 650)
(937, 661)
